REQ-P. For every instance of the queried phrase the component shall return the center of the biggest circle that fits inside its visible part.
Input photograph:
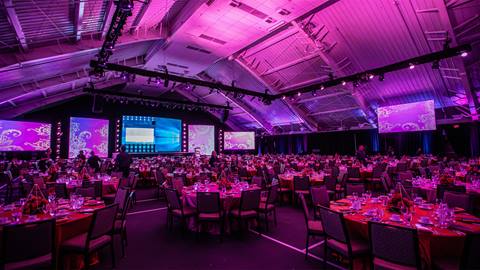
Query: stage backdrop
(24, 136)
(239, 140)
(416, 116)
(203, 137)
(88, 134)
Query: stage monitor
(24, 136)
(88, 134)
(201, 137)
(239, 140)
(148, 134)
(408, 117)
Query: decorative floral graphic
(88, 134)
(203, 137)
(239, 140)
(24, 136)
(407, 117)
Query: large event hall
(239, 134)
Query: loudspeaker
(98, 102)
(225, 116)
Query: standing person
(94, 162)
(213, 159)
(123, 161)
(361, 154)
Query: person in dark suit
(123, 161)
(94, 162)
(361, 155)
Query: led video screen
(201, 137)
(147, 134)
(239, 140)
(24, 136)
(416, 116)
(88, 134)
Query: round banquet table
(434, 241)
(430, 190)
(228, 200)
(109, 185)
(73, 224)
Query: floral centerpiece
(224, 183)
(398, 201)
(35, 203)
(446, 180)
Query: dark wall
(461, 140)
(82, 107)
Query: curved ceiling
(274, 45)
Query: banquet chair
(319, 197)
(469, 259)
(441, 189)
(301, 185)
(338, 238)
(456, 199)
(176, 208)
(159, 181)
(376, 180)
(97, 187)
(354, 188)
(269, 205)
(258, 181)
(61, 190)
(209, 210)
(248, 208)
(99, 235)
(178, 183)
(121, 200)
(18, 250)
(402, 166)
(331, 185)
(314, 227)
(26, 188)
(353, 174)
(120, 225)
(393, 247)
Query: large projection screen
(88, 134)
(24, 136)
(201, 137)
(408, 117)
(149, 134)
(239, 140)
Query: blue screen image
(148, 134)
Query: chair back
(272, 194)
(320, 196)
(470, 258)
(258, 181)
(405, 175)
(124, 210)
(250, 199)
(377, 171)
(306, 212)
(159, 177)
(333, 224)
(121, 198)
(357, 188)
(353, 172)
(208, 202)
(26, 187)
(301, 183)
(394, 244)
(330, 182)
(177, 183)
(456, 199)
(61, 190)
(173, 200)
(402, 166)
(102, 223)
(16, 239)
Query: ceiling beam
(336, 110)
(139, 17)
(107, 18)
(472, 98)
(370, 115)
(15, 22)
(336, 94)
(79, 8)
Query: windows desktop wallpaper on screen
(147, 134)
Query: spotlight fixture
(355, 83)
(284, 97)
(371, 76)
(322, 87)
(314, 93)
(299, 94)
(344, 83)
(411, 66)
(464, 54)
